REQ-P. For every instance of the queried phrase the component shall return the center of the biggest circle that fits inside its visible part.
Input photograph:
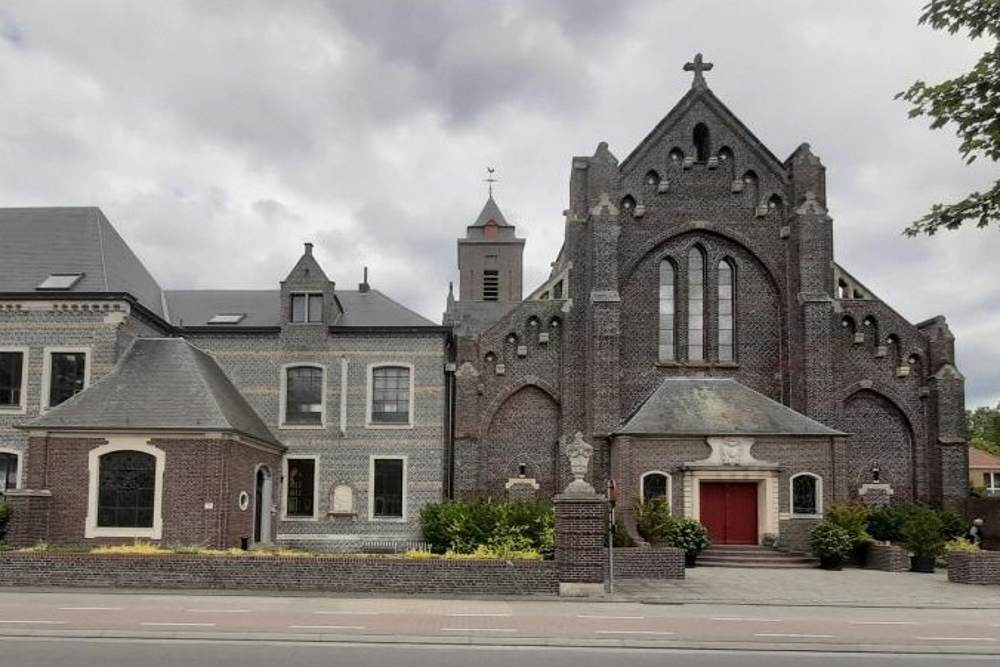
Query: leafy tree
(970, 103)
(984, 429)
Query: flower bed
(974, 567)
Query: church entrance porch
(729, 511)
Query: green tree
(984, 429)
(970, 103)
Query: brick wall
(888, 558)
(648, 562)
(270, 573)
(974, 567)
(581, 536)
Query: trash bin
(245, 543)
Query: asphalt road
(170, 653)
(519, 622)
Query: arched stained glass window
(668, 289)
(696, 305)
(654, 485)
(126, 489)
(806, 493)
(726, 304)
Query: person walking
(975, 534)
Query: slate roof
(710, 406)
(37, 242)
(193, 308)
(491, 212)
(473, 317)
(160, 384)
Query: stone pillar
(29, 517)
(581, 529)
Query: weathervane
(698, 67)
(490, 179)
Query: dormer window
(60, 281)
(307, 308)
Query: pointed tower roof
(491, 213)
(307, 269)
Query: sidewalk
(809, 587)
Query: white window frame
(155, 532)
(371, 392)
(19, 481)
(992, 488)
(23, 407)
(47, 370)
(371, 487)
(308, 294)
(819, 496)
(284, 488)
(670, 485)
(284, 398)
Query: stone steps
(752, 556)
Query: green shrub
(688, 534)
(653, 519)
(886, 523)
(923, 531)
(852, 517)
(504, 527)
(4, 519)
(830, 540)
(954, 523)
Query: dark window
(301, 487)
(557, 290)
(304, 396)
(726, 314)
(702, 146)
(654, 486)
(11, 376)
(388, 491)
(127, 490)
(491, 285)
(8, 471)
(67, 376)
(805, 499)
(391, 395)
(307, 308)
(696, 305)
(667, 328)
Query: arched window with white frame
(806, 494)
(655, 484)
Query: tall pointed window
(667, 326)
(696, 305)
(726, 313)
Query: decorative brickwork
(581, 538)
(888, 558)
(649, 563)
(974, 567)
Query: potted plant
(830, 543)
(923, 535)
(688, 534)
(853, 517)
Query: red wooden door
(729, 511)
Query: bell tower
(490, 258)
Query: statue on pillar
(579, 452)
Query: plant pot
(859, 554)
(831, 562)
(922, 563)
(690, 559)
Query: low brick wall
(648, 563)
(888, 558)
(974, 567)
(274, 573)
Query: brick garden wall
(648, 563)
(974, 567)
(272, 573)
(888, 558)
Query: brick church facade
(697, 330)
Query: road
(522, 622)
(170, 653)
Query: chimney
(364, 287)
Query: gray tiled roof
(473, 317)
(708, 406)
(160, 384)
(491, 212)
(37, 242)
(193, 308)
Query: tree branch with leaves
(970, 103)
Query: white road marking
(327, 627)
(219, 611)
(753, 620)
(611, 618)
(477, 630)
(182, 625)
(479, 615)
(46, 622)
(348, 613)
(90, 608)
(882, 623)
(791, 635)
(958, 639)
(632, 632)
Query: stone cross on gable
(698, 67)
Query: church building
(697, 330)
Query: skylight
(60, 281)
(227, 318)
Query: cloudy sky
(220, 136)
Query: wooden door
(729, 511)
